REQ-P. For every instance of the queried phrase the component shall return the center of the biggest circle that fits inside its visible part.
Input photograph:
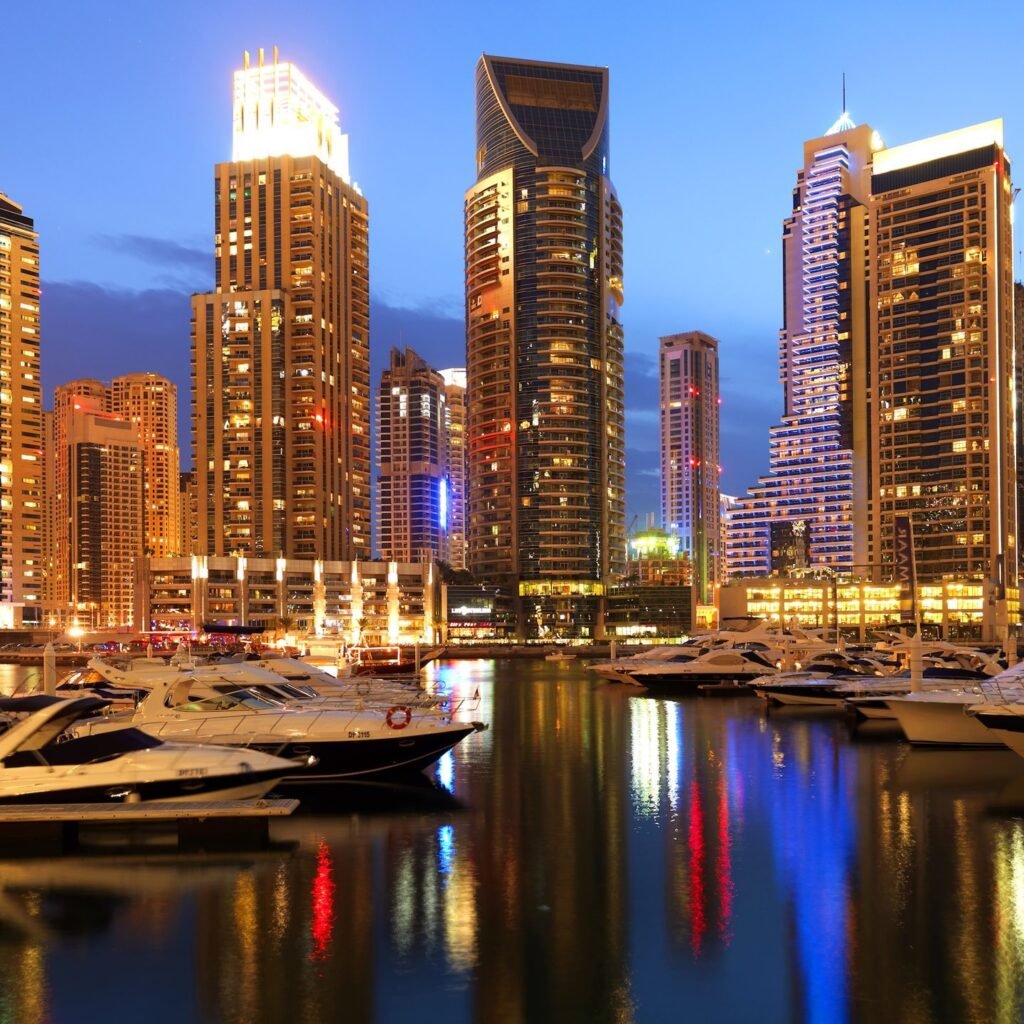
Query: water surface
(597, 855)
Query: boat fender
(398, 716)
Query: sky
(116, 112)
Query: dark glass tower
(546, 445)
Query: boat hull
(679, 682)
(943, 724)
(178, 790)
(399, 755)
(1007, 728)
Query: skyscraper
(546, 446)
(21, 421)
(810, 508)
(98, 506)
(413, 482)
(280, 348)
(455, 395)
(150, 403)
(690, 500)
(942, 365)
(903, 297)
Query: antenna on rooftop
(844, 91)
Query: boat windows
(234, 701)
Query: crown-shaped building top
(278, 112)
(842, 124)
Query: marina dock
(44, 829)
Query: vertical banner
(905, 570)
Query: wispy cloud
(160, 252)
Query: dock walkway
(43, 829)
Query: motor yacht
(43, 759)
(346, 743)
(284, 681)
(735, 665)
(1004, 721)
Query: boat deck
(43, 829)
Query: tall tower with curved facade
(545, 440)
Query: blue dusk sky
(116, 113)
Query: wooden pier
(31, 830)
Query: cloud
(161, 252)
(94, 331)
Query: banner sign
(904, 567)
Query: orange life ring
(398, 717)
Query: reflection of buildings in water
(1005, 947)
(550, 844)
(690, 780)
(804, 781)
(25, 989)
(294, 943)
(47, 902)
(928, 859)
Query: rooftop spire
(844, 122)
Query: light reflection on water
(596, 855)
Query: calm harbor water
(597, 855)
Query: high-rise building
(810, 509)
(150, 403)
(1018, 351)
(98, 508)
(412, 482)
(546, 445)
(903, 294)
(942, 365)
(77, 396)
(21, 421)
(114, 494)
(455, 395)
(187, 511)
(690, 500)
(280, 347)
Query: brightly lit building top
(279, 112)
(965, 140)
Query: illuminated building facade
(546, 444)
(115, 487)
(942, 364)
(455, 395)
(816, 488)
(658, 557)
(77, 396)
(150, 403)
(413, 482)
(1018, 353)
(949, 609)
(280, 348)
(688, 374)
(187, 510)
(21, 421)
(376, 602)
(99, 509)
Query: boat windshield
(237, 700)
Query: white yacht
(1004, 721)
(346, 743)
(44, 760)
(941, 719)
(735, 665)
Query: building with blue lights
(805, 511)
(414, 492)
